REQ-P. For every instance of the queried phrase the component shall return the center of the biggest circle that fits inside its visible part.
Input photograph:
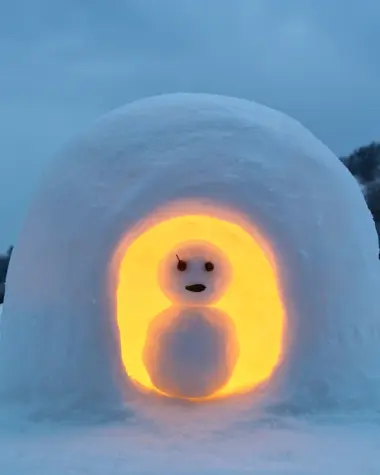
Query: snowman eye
(181, 265)
(209, 266)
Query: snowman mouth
(195, 288)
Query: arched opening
(252, 299)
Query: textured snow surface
(272, 447)
(59, 339)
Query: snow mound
(60, 343)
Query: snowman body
(190, 351)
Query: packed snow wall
(152, 182)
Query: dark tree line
(363, 163)
(4, 263)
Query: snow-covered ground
(282, 446)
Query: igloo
(293, 247)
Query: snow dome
(196, 247)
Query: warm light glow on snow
(251, 300)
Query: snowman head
(195, 273)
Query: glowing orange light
(252, 300)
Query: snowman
(191, 347)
